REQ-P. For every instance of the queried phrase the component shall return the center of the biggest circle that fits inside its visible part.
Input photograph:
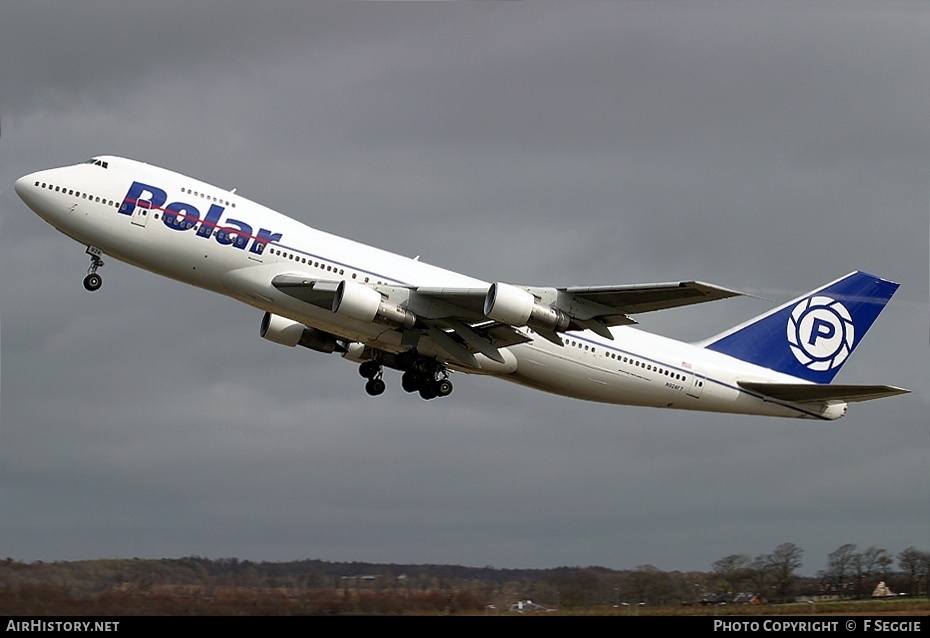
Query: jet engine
(364, 303)
(512, 305)
(292, 333)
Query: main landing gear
(93, 281)
(429, 383)
(427, 377)
(372, 371)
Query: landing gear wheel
(370, 369)
(93, 282)
(406, 360)
(427, 377)
(443, 388)
(410, 381)
(374, 387)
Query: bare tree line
(849, 573)
(770, 577)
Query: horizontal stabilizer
(814, 393)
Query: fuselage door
(696, 385)
(141, 213)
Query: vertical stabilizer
(810, 337)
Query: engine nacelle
(364, 303)
(293, 333)
(355, 351)
(517, 307)
(508, 304)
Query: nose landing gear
(93, 281)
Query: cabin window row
(309, 262)
(316, 264)
(211, 198)
(628, 360)
(74, 193)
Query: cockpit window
(96, 162)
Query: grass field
(56, 601)
(895, 607)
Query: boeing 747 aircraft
(379, 309)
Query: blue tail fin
(812, 336)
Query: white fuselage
(221, 253)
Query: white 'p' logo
(821, 333)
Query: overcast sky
(766, 147)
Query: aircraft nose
(22, 186)
(27, 188)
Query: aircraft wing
(816, 393)
(428, 303)
(630, 299)
(468, 303)
(624, 299)
(462, 314)
(452, 318)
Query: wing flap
(474, 340)
(454, 349)
(816, 393)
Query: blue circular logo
(821, 333)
